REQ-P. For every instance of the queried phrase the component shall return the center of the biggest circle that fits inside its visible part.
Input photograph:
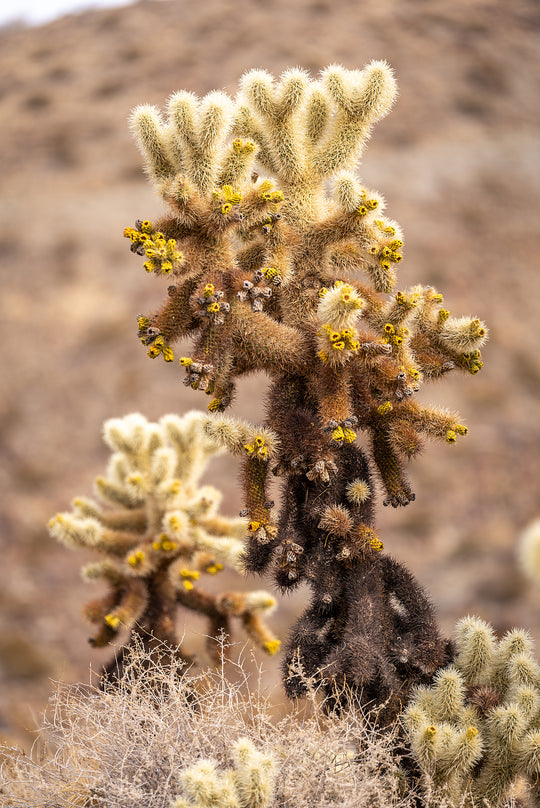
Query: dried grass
(126, 746)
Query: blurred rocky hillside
(458, 160)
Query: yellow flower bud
(384, 409)
(272, 646)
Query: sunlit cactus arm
(359, 99)
(217, 525)
(254, 774)
(277, 110)
(247, 125)
(375, 253)
(349, 218)
(90, 534)
(197, 133)
(150, 131)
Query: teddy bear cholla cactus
(158, 530)
(282, 275)
(476, 730)
(249, 784)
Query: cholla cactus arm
(166, 533)
(390, 468)
(475, 730)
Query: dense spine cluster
(476, 730)
(248, 784)
(158, 531)
(293, 274)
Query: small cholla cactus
(249, 784)
(158, 530)
(293, 274)
(476, 730)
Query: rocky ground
(458, 161)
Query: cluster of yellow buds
(213, 568)
(243, 146)
(366, 205)
(451, 434)
(211, 305)
(136, 559)
(257, 448)
(337, 340)
(272, 646)
(343, 434)
(389, 254)
(384, 409)
(162, 252)
(385, 227)
(267, 195)
(188, 576)
(369, 538)
(376, 544)
(112, 620)
(394, 336)
(408, 301)
(472, 361)
(443, 316)
(164, 544)
(158, 347)
(225, 198)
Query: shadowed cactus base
(158, 531)
(279, 259)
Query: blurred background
(458, 160)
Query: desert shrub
(138, 744)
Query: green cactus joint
(284, 262)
